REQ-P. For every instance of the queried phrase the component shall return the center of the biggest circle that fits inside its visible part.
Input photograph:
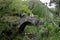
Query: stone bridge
(28, 20)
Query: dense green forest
(46, 28)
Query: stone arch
(26, 21)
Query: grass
(30, 28)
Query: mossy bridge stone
(28, 20)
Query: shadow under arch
(23, 25)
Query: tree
(37, 7)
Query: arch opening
(22, 27)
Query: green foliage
(39, 9)
(30, 28)
(10, 11)
(58, 6)
(11, 19)
(13, 7)
(50, 26)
